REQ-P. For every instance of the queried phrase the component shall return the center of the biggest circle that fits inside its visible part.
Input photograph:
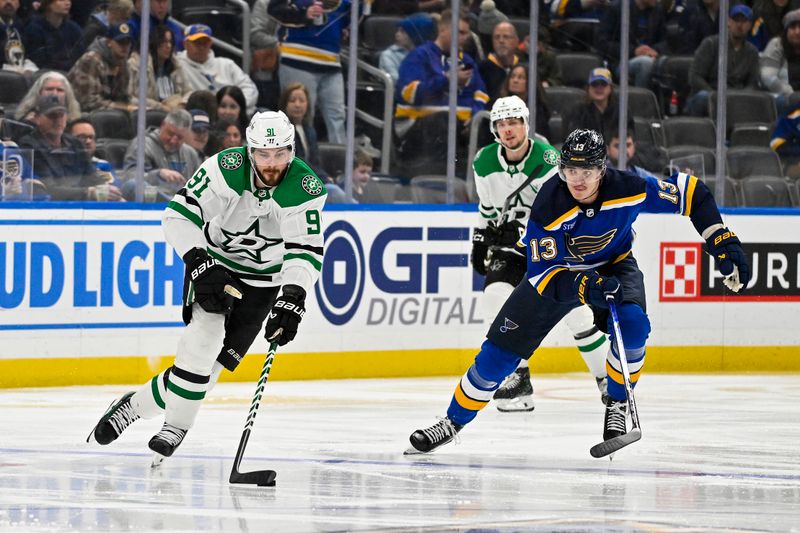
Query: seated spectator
(786, 142)
(159, 16)
(768, 20)
(780, 62)
(423, 99)
(362, 173)
(100, 77)
(114, 13)
(263, 41)
(742, 62)
(198, 135)
(168, 161)
(83, 130)
(60, 161)
(497, 65)
(647, 37)
(167, 87)
(231, 105)
(11, 40)
(488, 19)
(205, 100)
(294, 102)
(49, 83)
(205, 71)
(411, 32)
(633, 162)
(600, 110)
(224, 134)
(516, 84)
(52, 40)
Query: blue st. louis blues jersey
(564, 237)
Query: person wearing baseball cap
(100, 77)
(743, 65)
(198, 135)
(206, 72)
(599, 111)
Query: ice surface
(719, 453)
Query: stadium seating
(751, 135)
(699, 131)
(744, 161)
(111, 124)
(745, 107)
(332, 158)
(432, 189)
(765, 191)
(575, 67)
(732, 193)
(13, 87)
(112, 150)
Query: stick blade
(262, 478)
(617, 443)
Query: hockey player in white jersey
(248, 227)
(508, 175)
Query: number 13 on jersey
(543, 249)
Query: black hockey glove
(592, 289)
(480, 247)
(726, 249)
(210, 285)
(285, 315)
(506, 234)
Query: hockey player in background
(248, 227)
(508, 175)
(578, 246)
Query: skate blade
(157, 460)
(413, 451)
(517, 405)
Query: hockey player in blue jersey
(578, 245)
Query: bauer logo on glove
(726, 249)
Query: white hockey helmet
(508, 107)
(270, 129)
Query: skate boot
(167, 440)
(427, 440)
(614, 424)
(516, 392)
(120, 415)
(602, 385)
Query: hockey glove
(210, 285)
(285, 315)
(506, 234)
(726, 249)
(480, 247)
(592, 289)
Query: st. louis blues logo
(508, 325)
(583, 245)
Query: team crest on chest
(248, 243)
(311, 184)
(550, 157)
(231, 161)
(583, 245)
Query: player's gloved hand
(593, 289)
(285, 315)
(212, 286)
(480, 247)
(506, 234)
(726, 249)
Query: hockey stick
(262, 478)
(617, 443)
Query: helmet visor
(271, 157)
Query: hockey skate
(120, 415)
(516, 392)
(614, 424)
(427, 440)
(602, 385)
(165, 442)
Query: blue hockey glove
(592, 289)
(726, 249)
(285, 316)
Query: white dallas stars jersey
(496, 179)
(266, 236)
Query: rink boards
(92, 296)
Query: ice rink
(719, 453)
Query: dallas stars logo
(311, 184)
(248, 243)
(231, 161)
(550, 157)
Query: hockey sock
(635, 327)
(480, 381)
(149, 399)
(593, 346)
(185, 392)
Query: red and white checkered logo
(680, 271)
